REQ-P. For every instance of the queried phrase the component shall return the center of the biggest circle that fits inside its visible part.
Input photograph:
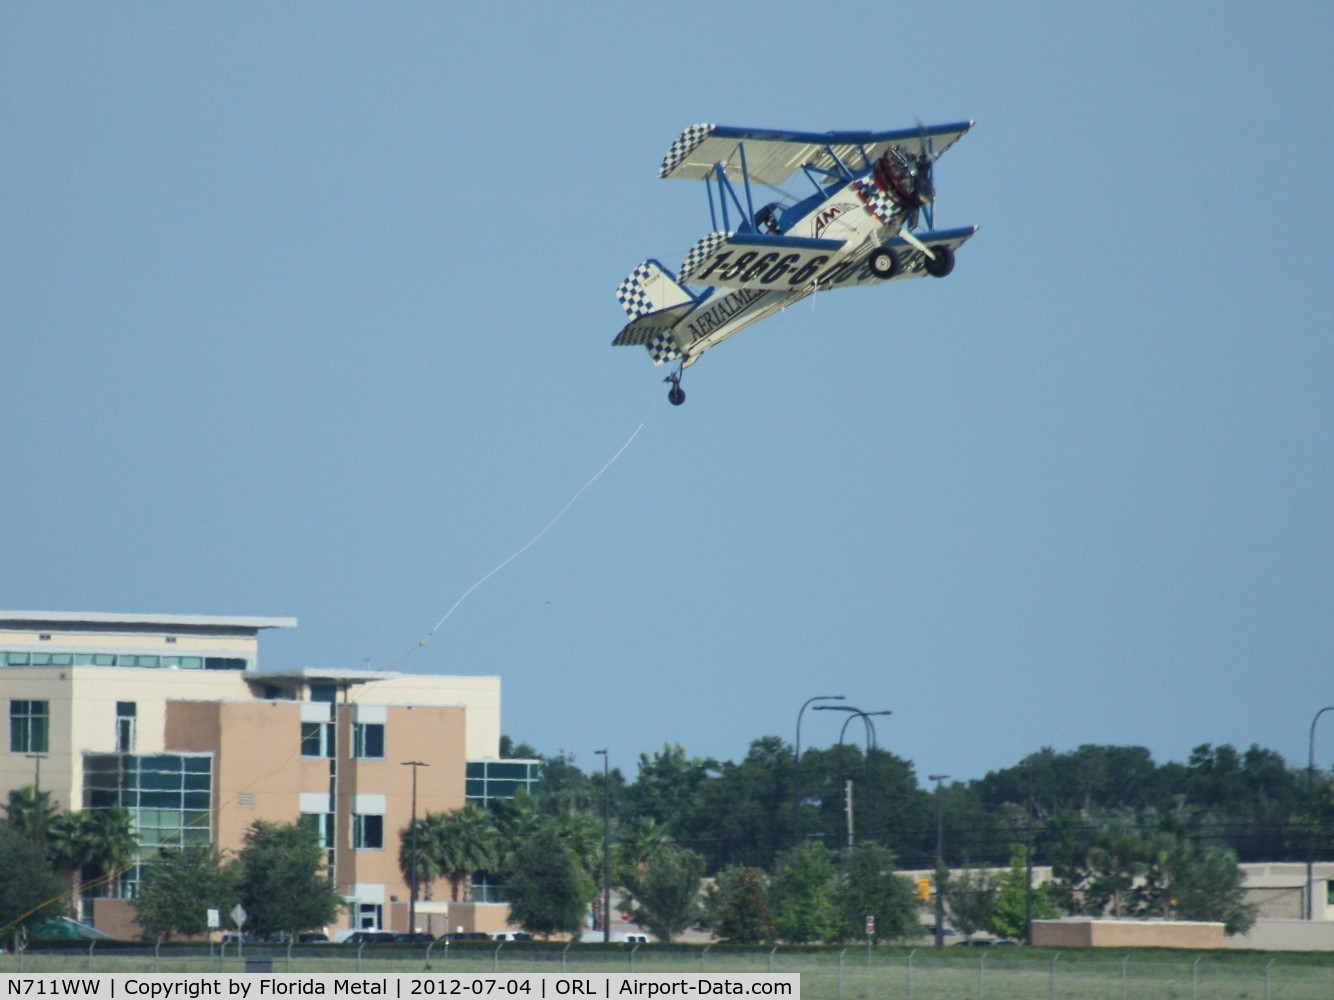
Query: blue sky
(307, 311)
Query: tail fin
(649, 288)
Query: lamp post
(1310, 812)
(856, 713)
(606, 845)
(940, 861)
(796, 769)
(412, 898)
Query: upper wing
(774, 156)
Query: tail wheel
(884, 263)
(942, 264)
(676, 395)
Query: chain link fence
(826, 974)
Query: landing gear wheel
(943, 263)
(883, 262)
(676, 395)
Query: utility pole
(940, 862)
(412, 899)
(606, 845)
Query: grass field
(922, 974)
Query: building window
(169, 796)
(29, 726)
(369, 916)
(324, 692)
(125, 726)
(322, 825)
(317, 739)
(487, 780)
(368, 832)
(368, 740)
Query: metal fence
(826, 974)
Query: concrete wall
(1286, 935)
(1083, 932)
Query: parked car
(415, 937)
(465, 936)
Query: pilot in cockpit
(766, 220)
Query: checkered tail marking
(662, 348)
(630, 292)
(683, 146)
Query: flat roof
(171, 621)
(342, 675)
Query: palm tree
(30, 812)
(637, 840)
(582, 835)
(111, 845)
(468, 843)
(67, 848)
(429, 838)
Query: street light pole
(412, 898)
(606, 845)
(856, 713)
(1310, 812)
(796, 768)
(940, 861)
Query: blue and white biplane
(871, 191)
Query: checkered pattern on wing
(662, 348)
(701, 252)
(683, 146)
(630, 292)
(879, 202)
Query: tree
(868, 886)
(1117, 856)
(1009, 916)
(30, 812)
(663, 894)
(67, 849)
(467, 843)
(546, 891)
(970, 898)
(281, 880)
(110, 847)
(737, 907)
(801, 896)
(428, 832)
(179, 887)
(1207, 885)
(29, 891)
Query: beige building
(170, 717)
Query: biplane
(871, 191)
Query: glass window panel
(171, 661)
(198, 782)
(126, 709)
(197, 800)
(162, 800)
(83, 659)
(104, 660)
(198, 765)
(192, 662)
(62, 659)
(41, 659)
(17, 659)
